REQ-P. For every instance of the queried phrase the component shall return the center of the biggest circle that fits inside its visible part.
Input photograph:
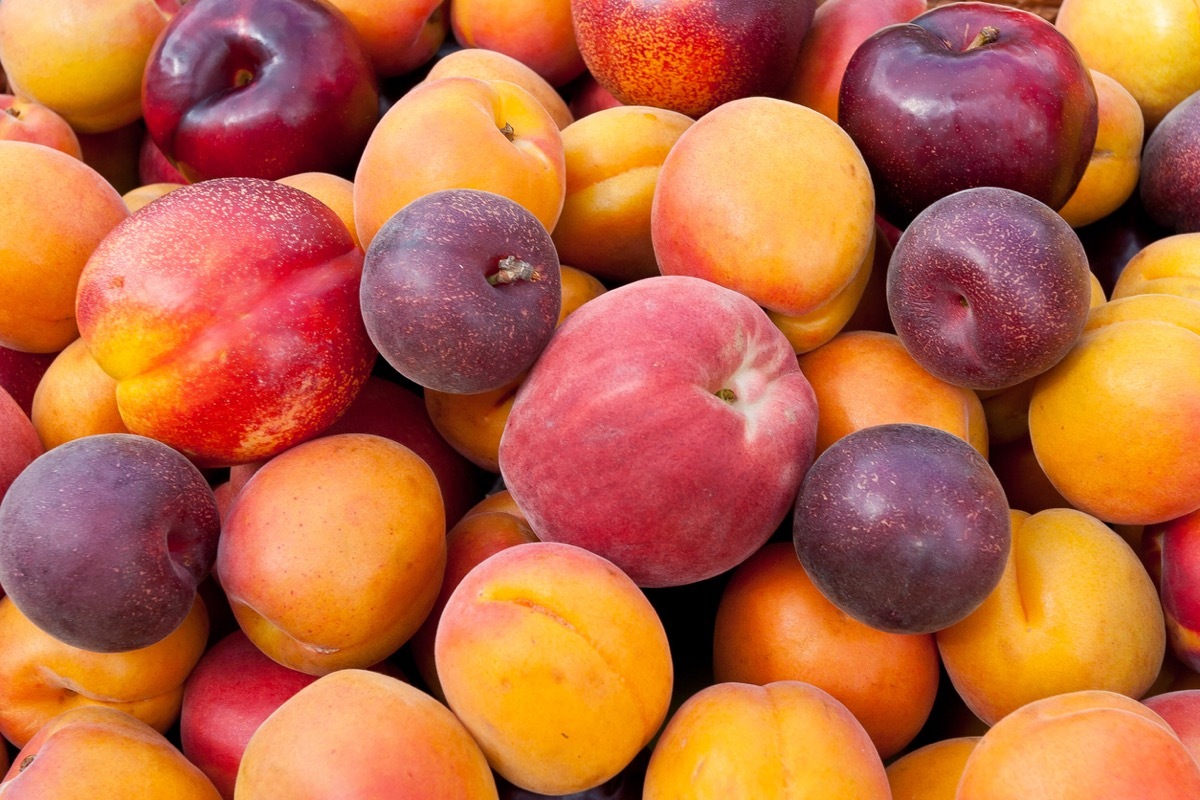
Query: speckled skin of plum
(1170, 178)
(104, 539)
(259, 88)
(903, 527)
(433, 302)
(933, 116)
(988, 287)
(227, 311)
(691, 56)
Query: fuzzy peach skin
(931, 772)
(838, 28)
(613, 161)
(1151, 47)
(92, 752)
(1170, 265)
(333, 552)
(23, 120)
(1079, 746)
(54, 211)
(538, 33)
(398, 35)
(40, 677)
(318, 745)
(474, 423)
(82, 60)
(717, 205)
(1112, 172)
(332, 190)
(787, 739)
(773, 624)
(75, 398)
(864, 378)
(556, 663)
(1054, 624)
(461, 133)
(1113, 423)
(492, 65)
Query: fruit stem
(727, 395)
(508, 132)
(12, 112)
(987, 35)
(512, 269)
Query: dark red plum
(988, 287)
(969, 94)
(104, 539)
(20, 373)
(461, 290)
(1170, 180)
(903, 527)
(259, 89)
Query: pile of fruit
(599, 398)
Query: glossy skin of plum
(904, 527)
(104, 539)
(260, 89)
(935, 110)
(461, 290)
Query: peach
(1170, 265)
(22, 444)
(398, 35)
(1081, 745)
(773, 624)
(613, 162)
(23, 120)
(332, 190)
(474, 423)
(1112, 172)
(41, 677)
(53, 213)
(715, 213)
(91, 752)
(75, 398)
(333, 552)
(864, 378)
(1112, 424)
(538, 33)
(135, 199)
(1152, 47)
(84, 61)
(460, 133)
(931, 772)
(1181, 710)
(838, 28)
(556, 663)
(492, 65)
(1054, 624)
(316, 745)
(786, 739)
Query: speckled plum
(1170, 179)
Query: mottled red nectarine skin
(1179, 584)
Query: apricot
(931, 772)
(23, 120)
(75, 398)
(398, 35)
(332, 190)
(1170, 265)
(1054, 624)
(143, 195)
(787, 739)
(53, 213)
(556, 663)
(492, 65)
(538, 33)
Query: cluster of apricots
(599, 399)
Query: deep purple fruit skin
(429, 306)
(932, 117)
(104, 539)
(903, 527)
(1170, 178)
(259, 89)
(988, 287)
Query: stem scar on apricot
(26, 761)
(508, 132)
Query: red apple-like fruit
(461, 290)
(259, 88)
(988, 287)
(20, 373)
(903, 527)
(21, 442)
(969, 94)
(1170, 178)
(1179, 583)
(691, 56)
(690, 387)
(104, 539)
